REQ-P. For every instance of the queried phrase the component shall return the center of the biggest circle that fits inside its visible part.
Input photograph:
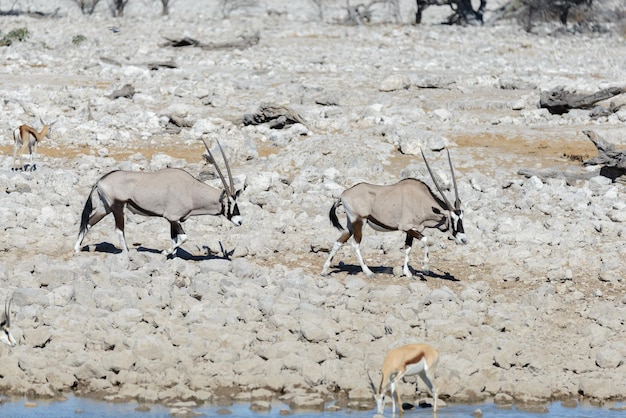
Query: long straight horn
(457, 201)
(230, 176)
(7, 312)
(450, 207)
(219, 172)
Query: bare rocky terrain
(531, 310)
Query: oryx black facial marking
(170, 193)
(5, 335)
(409, 206)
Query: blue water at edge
(75, 407)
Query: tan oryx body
(170, 193)
(25, 135)
(408, 360)
(409, 206)
(6, 336)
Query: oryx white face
(5, 334)
(232, 212)
(456, 226)
(7, 338)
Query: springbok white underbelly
(415, 368)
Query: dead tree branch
(277, 116)
(245, 41)
(612, 160)
(559, 101)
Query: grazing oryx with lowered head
(169, 193)
(409, 206)
(6, 336)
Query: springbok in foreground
(169, 193)
(6, 336)
(408, 205)
(26, 135)
(408, 360)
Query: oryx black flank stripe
(141, 210)
(380, 224)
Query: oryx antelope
(26, 135)
(408, 360)
(408, 205)
(6, 336)
(173, 194)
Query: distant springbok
(408, 360)
(6, 336)
(408, 205)
(26, 135)
(169, 193)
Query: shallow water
(73, 406)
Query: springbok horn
(219, 172)
(450, 207)
(457, 201)
(372, 385)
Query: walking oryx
(6, 336)
(408, 205)
(170, 193)
(408, 360)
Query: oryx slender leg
(178, 237)
(99, 213)
(118, 214)
(92, 221)
(340, 241)
(425, 264)
(358, 235)
(408, 243)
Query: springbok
(170, 193)
(27, 135)
(408, 360)
(408, 205)
(6, 336)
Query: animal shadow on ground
(25, 167)
(184, 255)
(406, 406)
(102, 247)
(443, 275)
(106, 247)
(353, 269)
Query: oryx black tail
(84, 218)
(332, 215)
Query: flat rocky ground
(531, 310)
